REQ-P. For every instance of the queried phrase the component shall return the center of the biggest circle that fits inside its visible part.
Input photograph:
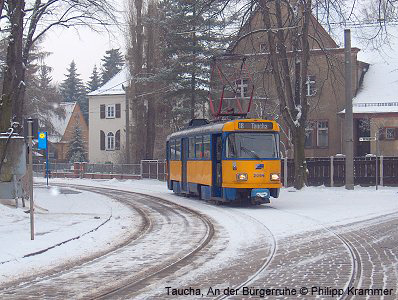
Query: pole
(349, 147)
(377, 165)
(30, 171)
(331, 171)
(285, 171)
(381, 171)
(47, 166)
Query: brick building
(325, 85)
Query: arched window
(110, 141)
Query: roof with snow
(115, 85)
(61, 123)
(379, 91)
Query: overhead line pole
(348, 120)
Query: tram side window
(172, 149)
(191, 152)
(178, 150)
(206, 147)
(199, 147)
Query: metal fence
(328, 171)
(155, 169)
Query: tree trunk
(300, 165)
(11, 107)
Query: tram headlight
(241, 177)
(275, 176)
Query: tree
(191, 37)
(143, 58)
(76, 151)
(95, 81)
(27, 24)
(112, 63)
(72, 89)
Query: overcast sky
(82, 45)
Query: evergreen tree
(112, 63)
(73, 90)
(95, 81)
(191, 38)
(76, 151)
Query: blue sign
(42, 145)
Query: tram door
(217, 169)
(184, 156)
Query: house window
(110, 141)
(310, 85)
(309, 134)
(390, 133)
(110, 111)
(323, 134)
(263, 48)
(242, 87)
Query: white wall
(96, 124)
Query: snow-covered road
(325, 236)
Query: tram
(226, 161)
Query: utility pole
(30, 174)
(348, 121)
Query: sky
(82, 45)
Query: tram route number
(255, 125)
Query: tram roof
(210, 128)
(214, 128)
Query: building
(107, 117)
(375, 106)
(64, 129)
(325, 84)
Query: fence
(155, 169)
(328, 171)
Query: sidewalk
(69, 225)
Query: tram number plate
(255, 125)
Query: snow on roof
(379, 91)
(115, 85)
(61, 123)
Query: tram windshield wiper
(250, 152)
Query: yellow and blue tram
(228, 161)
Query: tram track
(354, 255)
(150, 209)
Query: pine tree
(112, 63)
(95, 81)
(73, 90)
(188, 56)
(76, 151)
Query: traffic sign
(42, 145)
(367, 139)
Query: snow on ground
(60, 215)
(72, 214)
(312, 206)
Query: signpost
(43, 145)
(30, 171)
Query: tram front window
(252, 145)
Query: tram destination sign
(255, 125)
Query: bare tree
(28, 23)
(145, 86)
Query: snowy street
(114, 244)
